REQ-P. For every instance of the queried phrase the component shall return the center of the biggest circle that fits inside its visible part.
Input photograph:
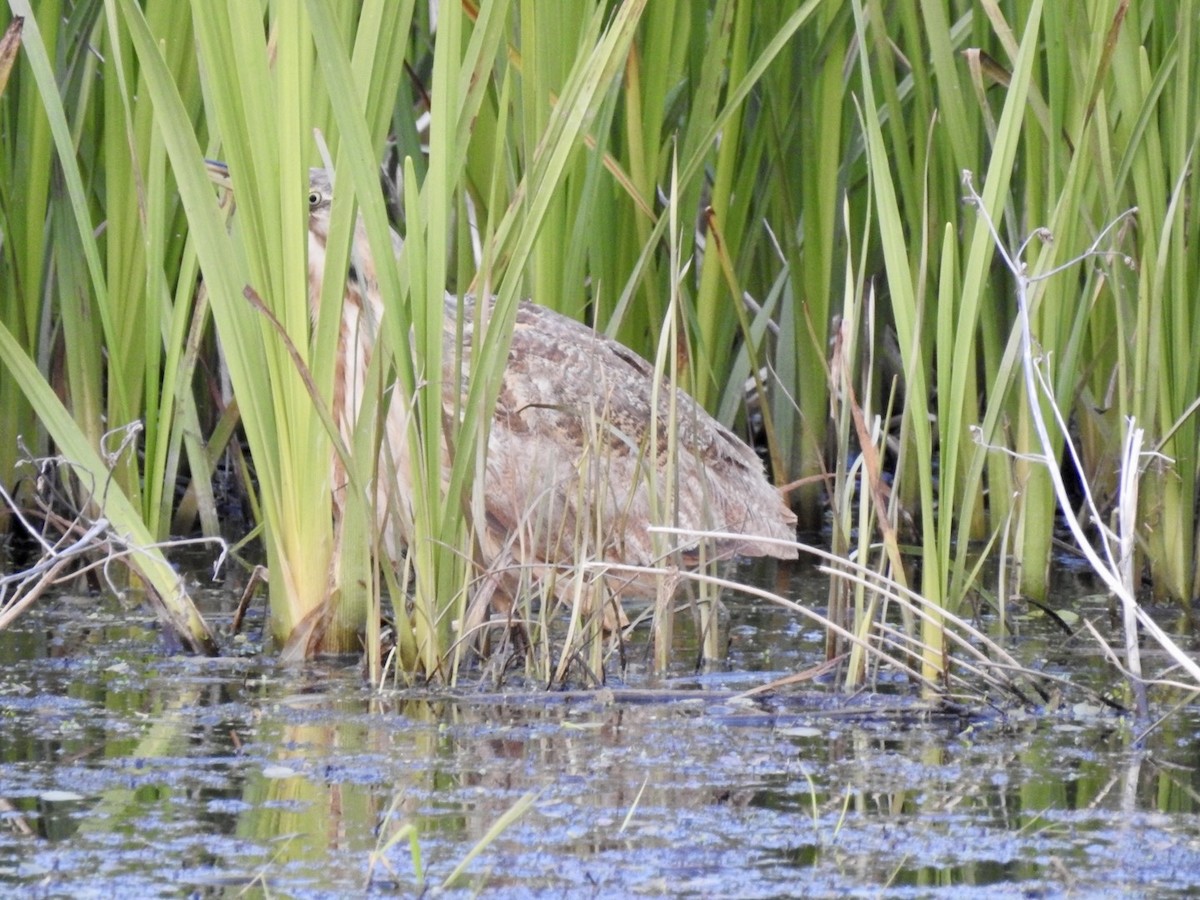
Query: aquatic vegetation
(687, 180)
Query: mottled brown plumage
(579, 405)
(570, 455)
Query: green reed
(811, 154)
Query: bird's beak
(218, 172)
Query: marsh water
(129, 770)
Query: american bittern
(570, 448)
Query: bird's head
(320, 196)
(320, 191)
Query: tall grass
(106, 327)
(1067, 134)
(811, 153)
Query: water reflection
(123, 771)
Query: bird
(567, 477)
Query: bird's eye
(314, 197)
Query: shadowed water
(128, 771)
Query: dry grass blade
(9, 45)
(983, 657)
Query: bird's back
(572, 462)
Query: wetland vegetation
(935, 261)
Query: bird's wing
(571, 448)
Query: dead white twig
(83, 544)
(1112, 562)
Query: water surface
(126, 770)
